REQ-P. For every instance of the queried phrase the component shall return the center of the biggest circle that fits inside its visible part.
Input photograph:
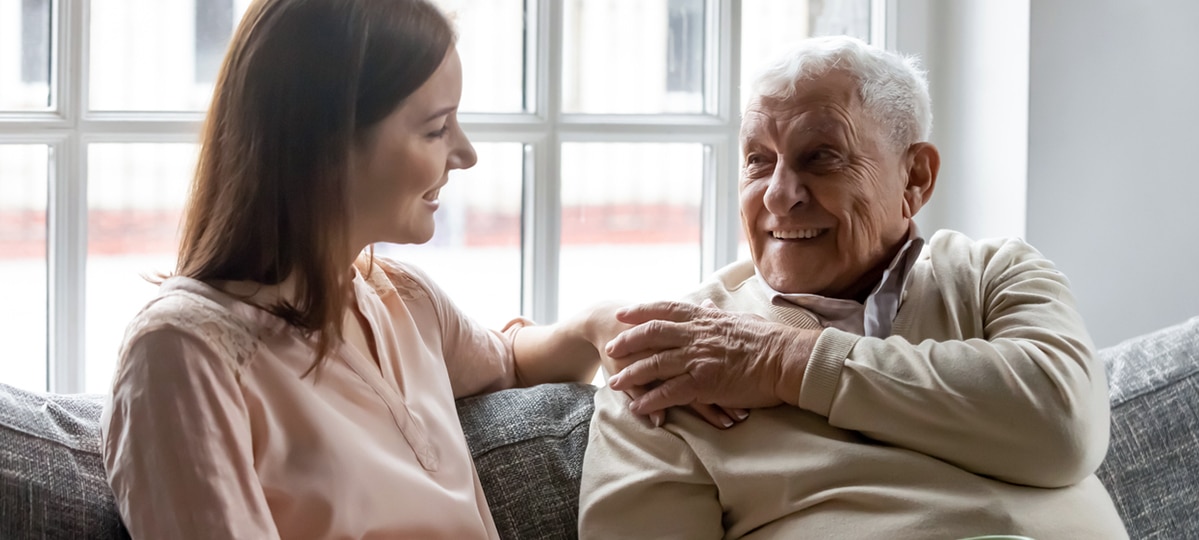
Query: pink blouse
(213, 432)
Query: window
(213, 26)
(35, 40)
(606, 133)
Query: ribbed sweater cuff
(821, 377)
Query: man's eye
(754, 159)
(823, 154)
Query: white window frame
(67, 129)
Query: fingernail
(726, 421)
(613, 380)
(658, 420)
(740, 414)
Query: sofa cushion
(1152, 465)
(528, 447)
(52, 482)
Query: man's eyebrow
(440, 112)
(752, 123)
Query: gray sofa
(528, 447)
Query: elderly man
(903, 387)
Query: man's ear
(923, 161)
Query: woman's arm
(177, 444)
(567, 350)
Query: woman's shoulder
(406, 279)
(192, 309)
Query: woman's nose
(463, 155)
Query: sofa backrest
(52, 482)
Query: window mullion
(542, 204)
(719, 207)
(68, 208)
(883, 23)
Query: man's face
(822, 190)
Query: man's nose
(786, 192)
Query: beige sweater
(985, 412)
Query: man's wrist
(797, 352)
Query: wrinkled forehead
(827, 102)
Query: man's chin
(792, 283)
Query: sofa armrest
(1152, 465)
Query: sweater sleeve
(1009, 389)
(643, 482)
(177, 444)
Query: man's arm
(1025, 401)
(1017, 394)
(643, 482)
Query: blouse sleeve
(177, 444)
(478, 359)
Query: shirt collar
(849, 315)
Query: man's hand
(600, 325)
(692, 354)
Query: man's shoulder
(724, 284)
(956, 247)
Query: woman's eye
(440, 133)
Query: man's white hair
(892, 87)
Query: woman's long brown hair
(302, 83)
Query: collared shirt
(872, 318)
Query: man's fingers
(658, 367)
(612, 366)
(651, 336)
(657, 417)
(737, 415)
(713, 415)
(676, 391)
(665, 310)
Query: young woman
(285, 383)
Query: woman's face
(397, 172)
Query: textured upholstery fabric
(528, 447)
(52, 482)
(1152, 466)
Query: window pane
(150, 55)
(491, 43)
(630, 222)
(768, 25)
(475, 252)
(135, 197)
(633, 56)
(23, 195)
(25, 57)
